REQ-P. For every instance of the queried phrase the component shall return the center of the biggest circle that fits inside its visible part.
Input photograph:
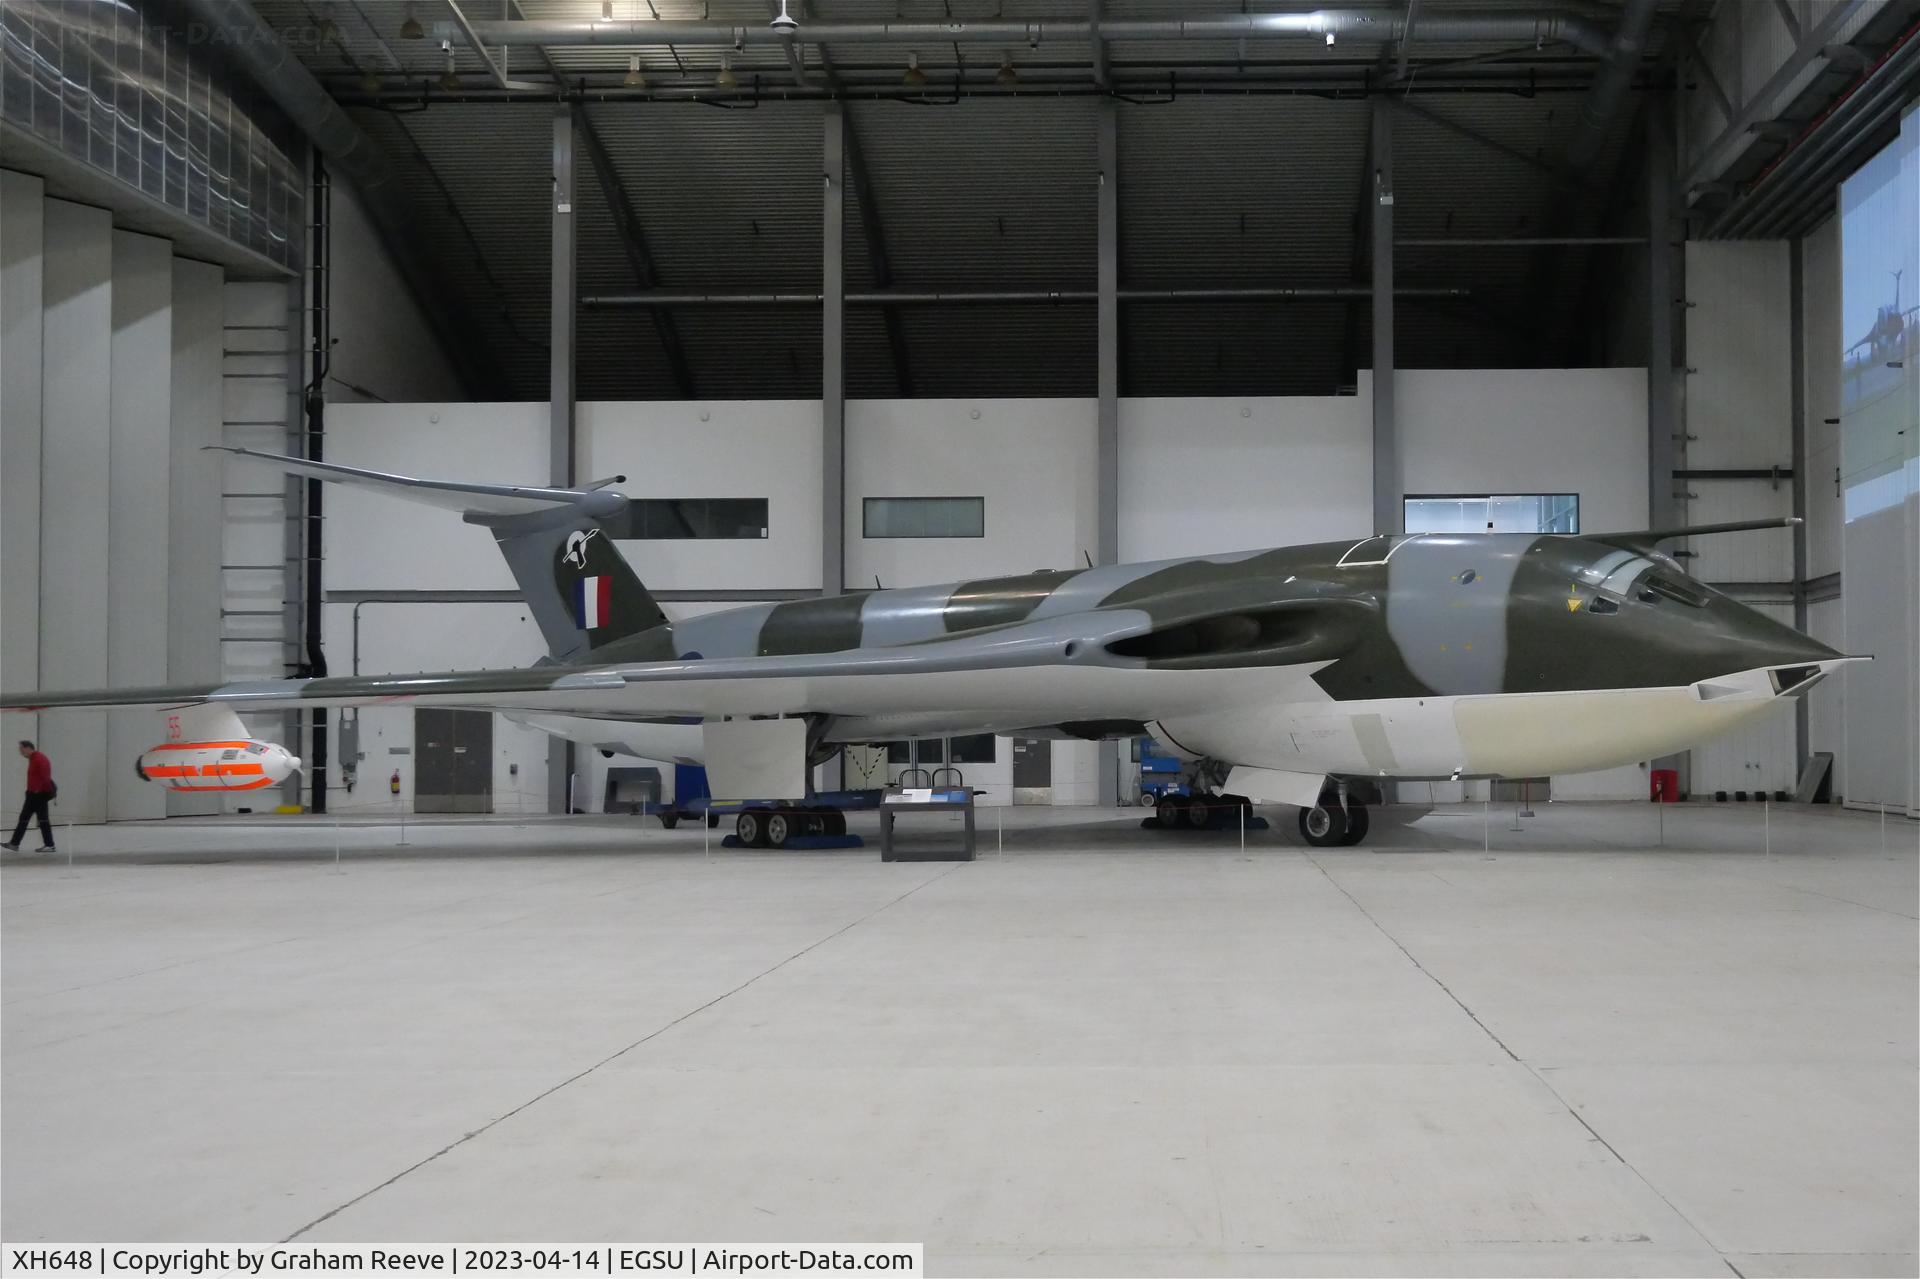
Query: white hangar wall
(1197, 476)
(127, 555)
(110, 380)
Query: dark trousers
(36, 806)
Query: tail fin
(582, 591)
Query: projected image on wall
(1880, 472)
(1880, 318)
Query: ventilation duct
(1373, 26)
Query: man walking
(40, 793)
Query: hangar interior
(1119, 299)
(925, 291)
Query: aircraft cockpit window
(1675, 589)
(1602, 605)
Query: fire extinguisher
(393, 783)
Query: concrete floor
(1109, 1051)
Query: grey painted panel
(1449, 607)
(906, 616)
(734, 633)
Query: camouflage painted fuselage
(1408, 656)
(1415, 616)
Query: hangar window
(924, 517)
(1493, 513)
(683, 518)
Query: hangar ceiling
(1241, 164)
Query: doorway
(453, 760)
(1032, 771)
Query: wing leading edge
(907, 679)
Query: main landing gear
(1330, 824)
(774, 827)
(1200, 812)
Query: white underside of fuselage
(1268, 718)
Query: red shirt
(39, 774)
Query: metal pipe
(908, 297)
(1595, 121)
(1374, 26)
(320, 313)
(1781, 194)
(1738, 135)
(1794, 195)
(1531, 241)
(1223, 83)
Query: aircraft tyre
(1323, 825)
(1356, 825)
(1170, 810)
(751, 828)
(1199, 813)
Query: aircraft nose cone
(1765, 642)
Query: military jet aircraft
(1303, 675)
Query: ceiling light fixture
(1006, 77)
(411, 28)
(726, 79)
(448, 79)
(915, 78)
(634, 79)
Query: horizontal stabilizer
(482, 500)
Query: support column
(1388, 509)
(1663, 404)
(1797, 361)
(1662, 401)
(833, 364)
(1106, 502)
(560, 424)
(833, 372)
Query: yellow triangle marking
(1573, 606)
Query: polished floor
(1611, 1041)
